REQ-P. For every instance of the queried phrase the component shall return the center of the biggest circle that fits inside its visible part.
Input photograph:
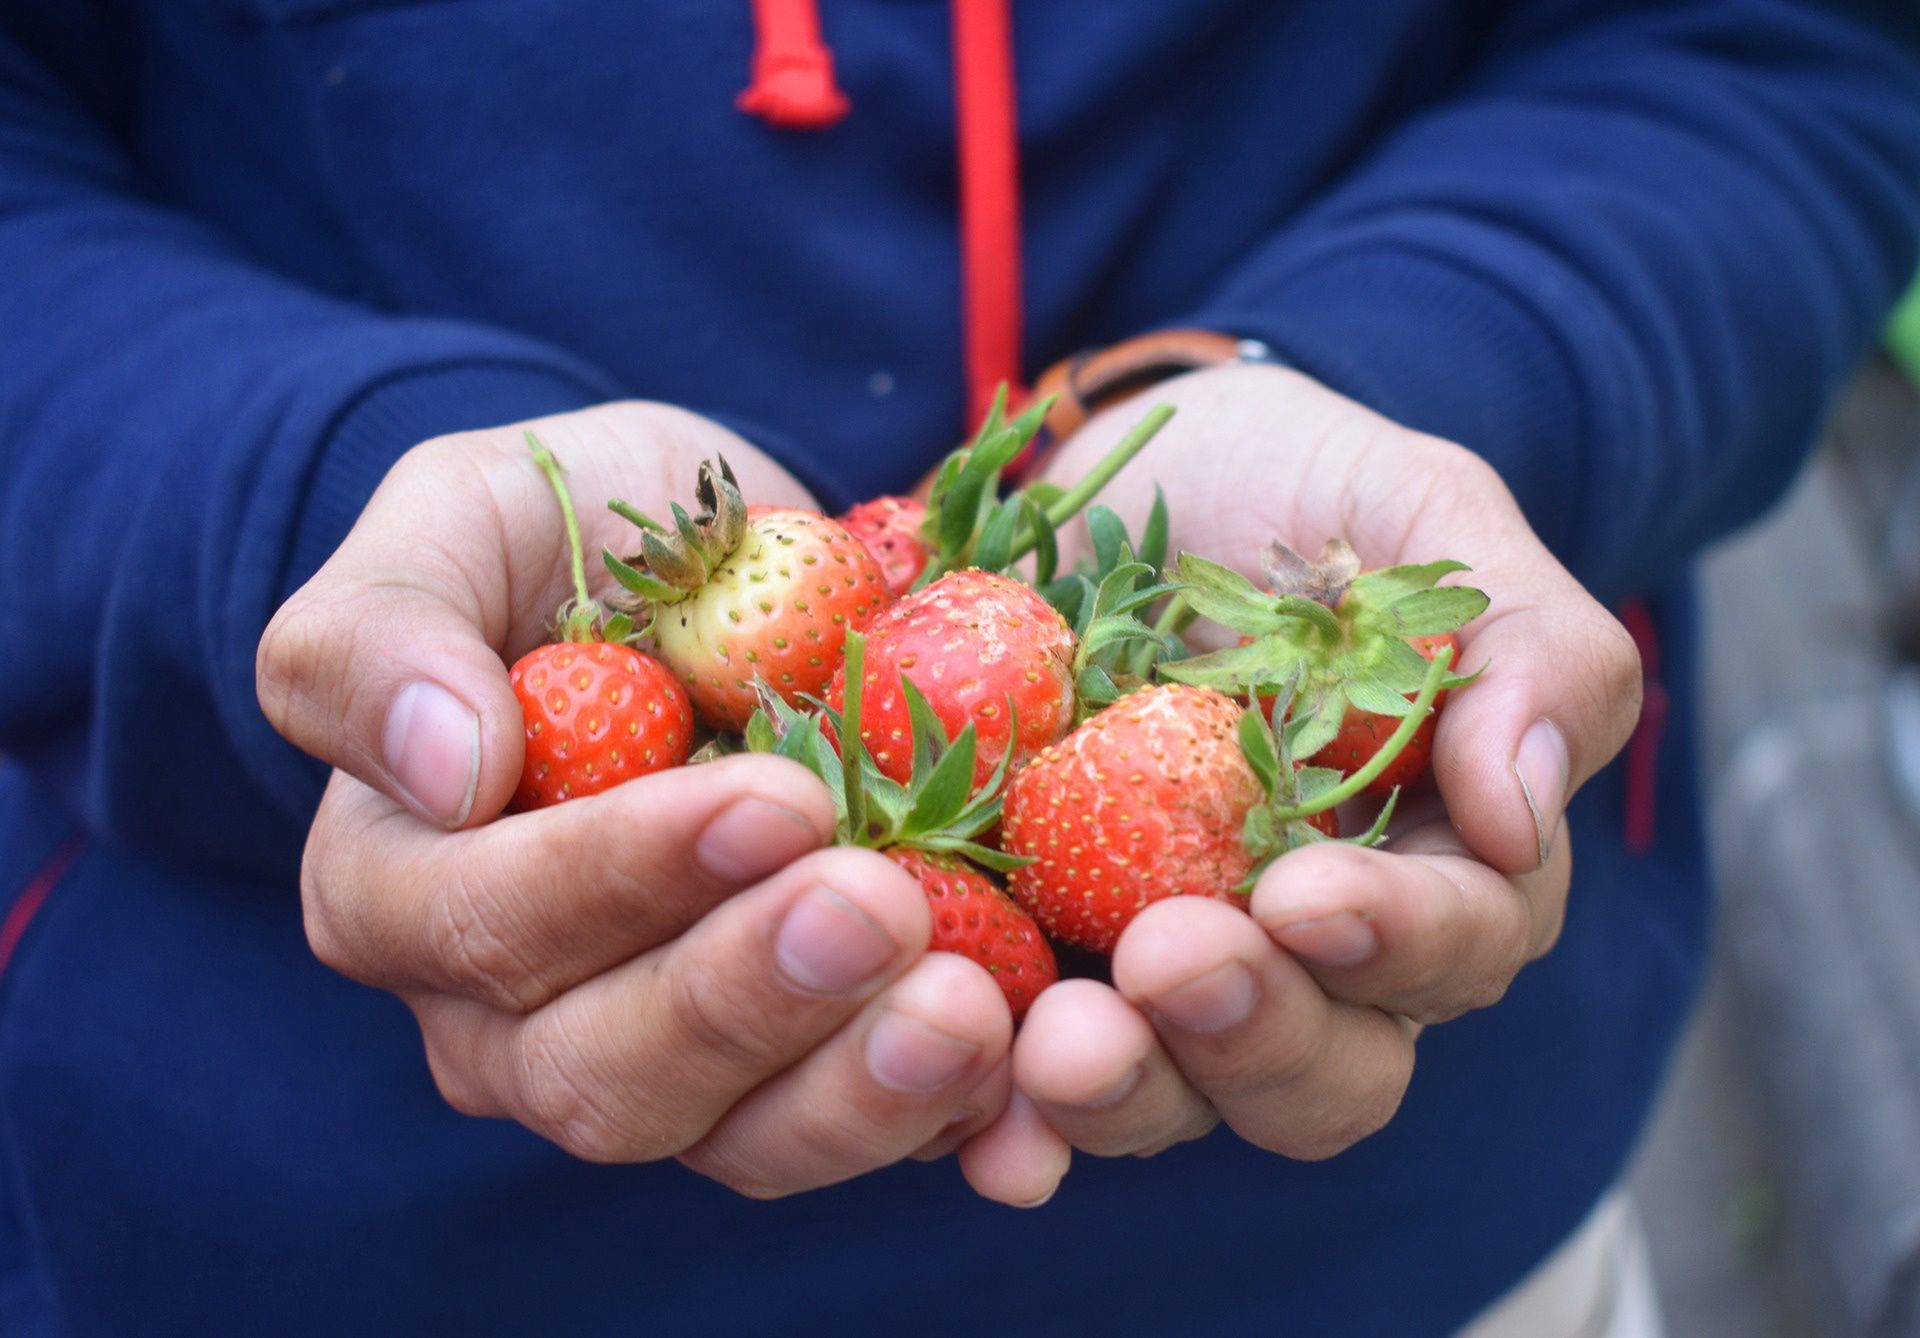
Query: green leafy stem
(1396, 742)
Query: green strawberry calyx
(1340, 635)
(935, 811)
(970, 524)
(675, 561)
(1295, 793)
(1106, 601)
(580, 618)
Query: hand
(674, 968)
(1296, 1024)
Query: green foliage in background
(1903, 334)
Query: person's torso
(210, 1133)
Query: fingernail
(1040, 1202)
(431, 745)
(828, 945)
(907, 1055)
(1117, 1093)
(1345, 938)
(1220, 999)
(1541, 765)
(751, 838)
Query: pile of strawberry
(1037, 746)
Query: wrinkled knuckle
(320, 916)
(1338, 1130)
(432, 458)
(566, 1104)
(722, 1033)
(324, 934)
(1202, 1122)
(472, 947)
(1546, 932)
(709, 1160)
(292, 657)
(1114, 1140)
(457, 1087)
(1293, 1054)
(1466, 471)
(1622, 676)
(1484, 991)
(1427, 975)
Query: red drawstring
(989, 153)
(14, 927)
(793, 89)
(792, 86)
(1643, 749)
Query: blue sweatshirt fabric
(251, 250)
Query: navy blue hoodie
(251, 250)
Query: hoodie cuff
(400, 413)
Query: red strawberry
(1363, 732)
(1353, 645)
(933, 825)
(1147, 800)
(974, 918)
(970, 642)
(890, 528)
(740, 594)
(596, 714)
(597, 711)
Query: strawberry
(969, 524)
(974, 918)
(597, 711)
(1171, 791)
(1362, 733)
(890, 527)
(596, 714)
(1351, 643)
(1146, 800)
(982, 649)
(932, 823)
(742, 594)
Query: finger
(516, 912)
(923, 1057)
(987, 1105)
(390, 662)
(1427, 930)
(1019, 1159)
(1288, 1069)
(387, 663)
(1559, 687)
(1094, 1069)
(639, 1063)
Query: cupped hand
(1296, 1024)
(673, 968)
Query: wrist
(1094, 380)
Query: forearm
(187, 435)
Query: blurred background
(1780, 1183)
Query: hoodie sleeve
(1629, 261)
(184, 435)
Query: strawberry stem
(633, 515)
(578, 618)
(853, 748)
(1380, 761)
(1175, 615)
(1071, 502)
